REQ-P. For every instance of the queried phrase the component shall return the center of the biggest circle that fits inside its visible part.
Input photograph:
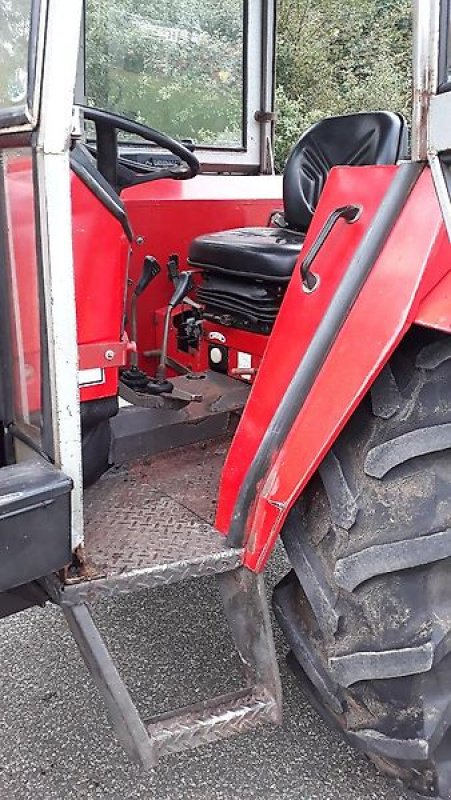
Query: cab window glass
(20, 263)
(173, 64)
(15, 23)
(448, 45)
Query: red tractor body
(288, 338)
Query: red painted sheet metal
(100, 262)
(228, 188)
(435, 309)
(100, 258)
(26, 337)
(411, 261)
(299, 317)
(167, 215)
(102, 354)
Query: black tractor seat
(232, 261)
(267, 254)
(271, 253)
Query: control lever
(173, 267)
(151, 269)
(135, 377)
(182, 287)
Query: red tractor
(197, 357)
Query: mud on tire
(366, 608)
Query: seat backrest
(355, 139)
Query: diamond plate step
(163, 574)
(150, 524)
(211, 721)
(244, 601)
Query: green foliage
(336, 58)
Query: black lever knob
(182, 287)
(151, 268)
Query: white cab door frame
(42, 124)
(431, 117)
(53, 171)
(259, 77)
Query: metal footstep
(203, 723)
(245, 605)
(142, 532)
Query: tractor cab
(213, 235)
(199, 356)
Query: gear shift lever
(135, 377)
(182, 287)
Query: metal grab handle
(350, 214)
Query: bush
(337, 58)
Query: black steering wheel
(120, 171)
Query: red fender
(435, 309)
(400, 290)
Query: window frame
(432, 97)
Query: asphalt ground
(172, 646)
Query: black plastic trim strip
(47, 438)
(101, 189)
(6, 389)
(302, 382)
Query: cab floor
(155, 510)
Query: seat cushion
(268, 254)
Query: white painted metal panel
(62, 43)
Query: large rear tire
(366, 608)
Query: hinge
(265, 116)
